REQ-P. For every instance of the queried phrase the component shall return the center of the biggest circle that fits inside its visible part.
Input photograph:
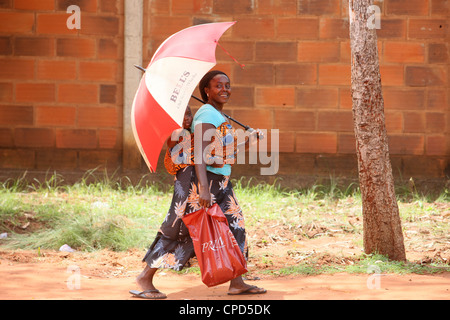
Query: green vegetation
(111, 213)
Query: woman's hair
(204, 83)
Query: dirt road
(71, 277)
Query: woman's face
(219, 90)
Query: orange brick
(98, 25)
(435, 122)
(6, 92)
(98, 117)
(78, 93)
(392, 29)
(407, 7)
(316, 143)
(232, 7)
(346, 143)
(161, 27)
(413, 122)
(16, 115)
(76, 139)
(38, 5)
(334, 75)
(16, 22)
(428, 28)
(425, 76)
(17, 159)
(35, 92)
(85, 5)
(53, 23)
(404, 52)
(254, 74)
(400, 99)
(333, 28)
(295, 74)
(109, 139)
(438, 53)
(108, 93)
(318, 52)
(440, 7)
(105, 71)
(437, 100)
(108, 49)
(6, 46)
(55, 159)
(286, 142)
(436, 145)
(6, 138)
(290, 120)
(339, 121)
(297, 28)
(55, 116)
(35, 46)
(74, 47)
(277, 7)
(99, 159)
(345, 98)
(56, 70)
(319, 7)
(394, 122)
(316, 98)
(406, 144)
(261, 28)
(275, 96)
(392, 75)
(110, 6)
(16, 69)
(255, 118)
(242, 96)
(34, 137)
(276, 51)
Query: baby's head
(187, 121)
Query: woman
(199, 186)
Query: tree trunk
(381, 219)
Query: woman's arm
(254, 136)
(200, 164)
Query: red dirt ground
(109, 276)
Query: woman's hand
(204, 197)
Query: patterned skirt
(173, 247)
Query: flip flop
(249, 291)
(143, 294)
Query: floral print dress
(173, 247)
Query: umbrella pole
(201, 101)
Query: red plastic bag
(217, 250)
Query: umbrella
(168, 83)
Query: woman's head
(215, 85)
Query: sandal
(249, 290)
(143, 295)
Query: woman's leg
(145, 282)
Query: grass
(112, 213)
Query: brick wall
(297, 76)
(60, 90)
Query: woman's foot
(239, 287)
(145, 282)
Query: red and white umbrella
(168, 83)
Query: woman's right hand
(204, 197)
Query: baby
(180, 146)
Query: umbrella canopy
(170, 79)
